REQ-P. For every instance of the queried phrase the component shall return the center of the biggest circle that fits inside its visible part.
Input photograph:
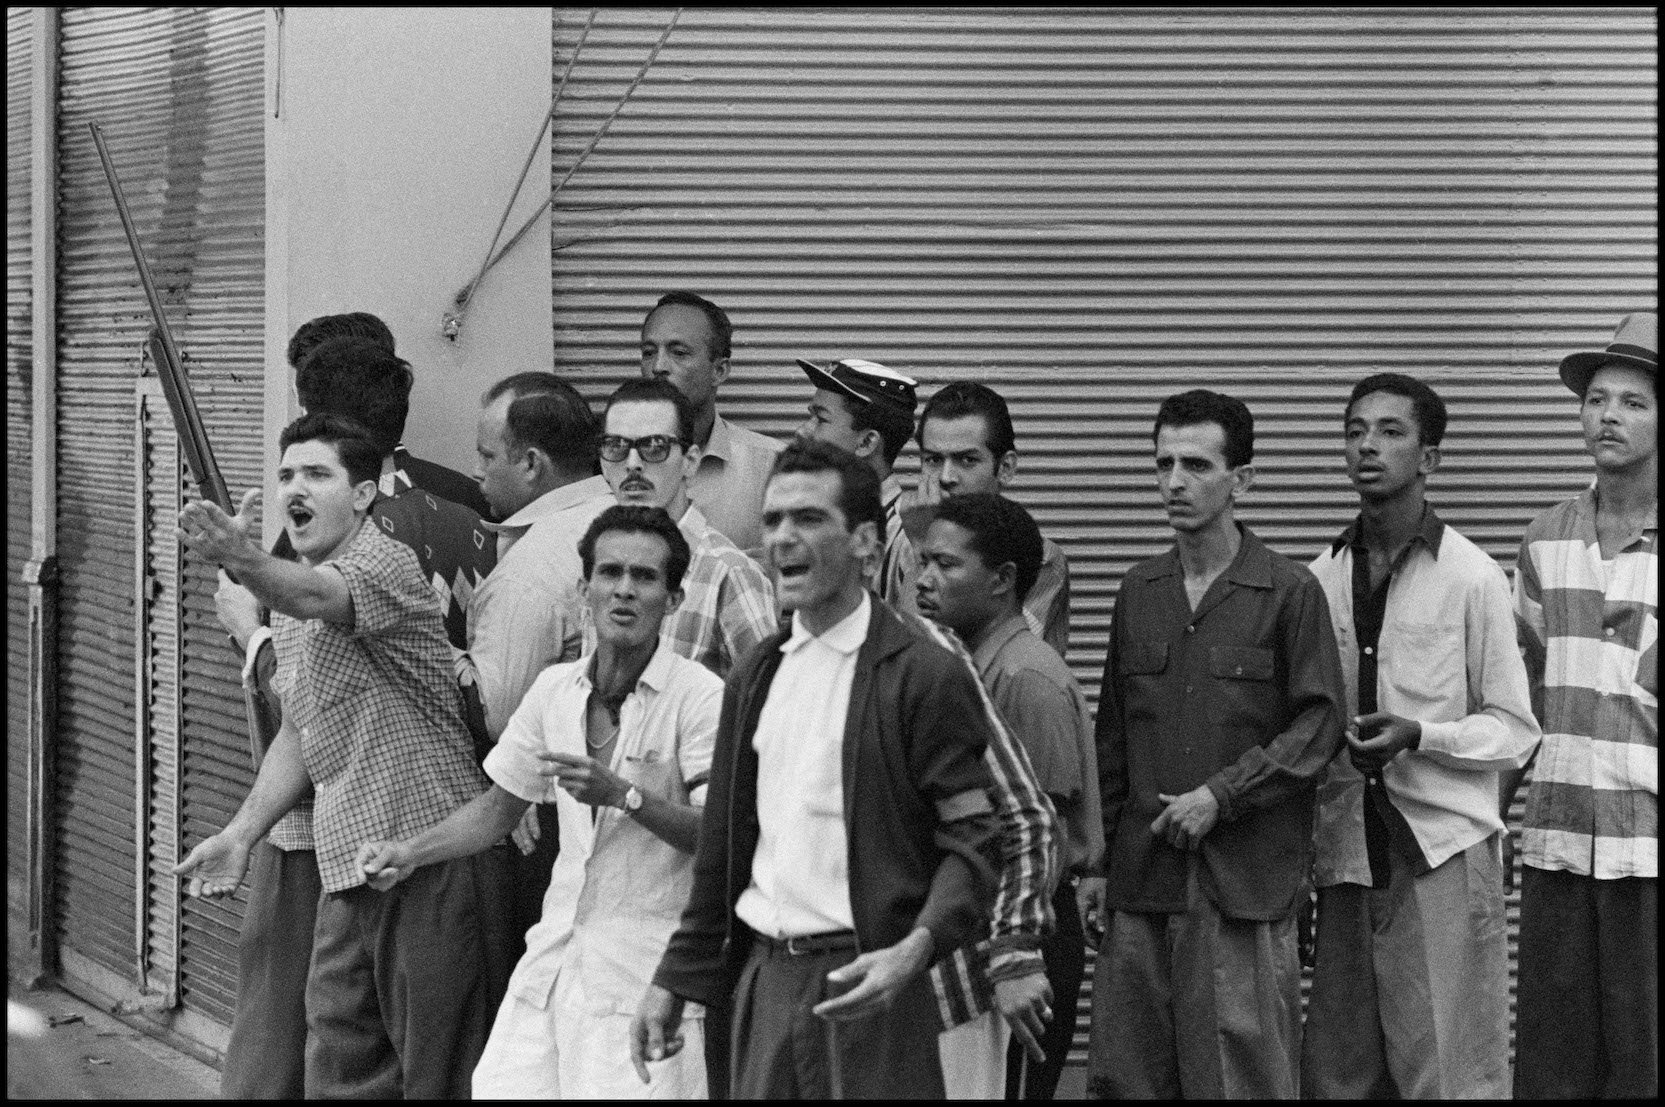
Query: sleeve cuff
(251, 652)
(1439, 737)
(1221, 797)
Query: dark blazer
(923, 839)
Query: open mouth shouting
(299, 517)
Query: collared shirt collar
(1429, 531)
(845, 636)
(656, 676)
(1585, 508)
(890, 490)
(1252, 567)
(551, 503)
(721, 443)
(995, 640)
(693, 524)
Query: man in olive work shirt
(1221, 703)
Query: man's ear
(866, 537)
(1430, 460)
(868, 443)
(719, 371)
(364, 494)
(1005, 578)
(690, 462)
(1245, 479)
(674, 602)
(1005, 469)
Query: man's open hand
(217, 537)
(1025, 1002)
(653, 1032)
(877, 978)
(1188, 817)
(216, 867)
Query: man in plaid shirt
(648, 458)
(398, 997)
(1587, 599)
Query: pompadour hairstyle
(639, 519)
(716, 320)
(858, 494)
(1426, 404)
(655, 390)
(353, 324)
(548, 413)
(353, 444)
(1001, 531)
(361, 380)
(1199, 406)
(963, 398)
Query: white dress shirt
(617, 889)
(801, 869)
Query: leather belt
(837, 941)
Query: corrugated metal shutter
(179, 93)
(1089, 210)
(19, 377)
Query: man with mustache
(1221, 704)
(648, 457)
(398, 995)
(1587, 595)
(1410, 994)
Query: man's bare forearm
(476, 825)
(281, 783)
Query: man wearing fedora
(1586, 597)
(867, 409)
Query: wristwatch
(632, 800)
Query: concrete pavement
(86, 1053)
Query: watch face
(633, 799)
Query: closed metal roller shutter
(179, 94)
(1089, 210)
(19, 378)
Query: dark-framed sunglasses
(653, 447)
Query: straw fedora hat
(1635, 343)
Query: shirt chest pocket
(1425, 666)
(334, 677)
(1246, 694)
(1144, 658)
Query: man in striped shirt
(1586, 595)
(867, 409)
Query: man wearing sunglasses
(648, 458)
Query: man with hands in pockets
(624, 734)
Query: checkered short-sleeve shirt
(376, 708)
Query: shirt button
(1369, 650)
(1187, 689)
(1608, 632)
(1237, 671)
(1192, 629)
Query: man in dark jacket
(849, 840)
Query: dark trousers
(526, 879)
(1066, 963)
(400, 999)
(266, 1056)
(1587, 996)
(782, 1051)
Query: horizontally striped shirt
(1591, 631)
(1030, 862)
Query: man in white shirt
(536, 466)
(626, 732)
(1410, 994)
(688, 340)
(851, 839)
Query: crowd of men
(664, 759)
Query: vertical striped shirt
(898, 564)
(1591, 631)
(1030, 862)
